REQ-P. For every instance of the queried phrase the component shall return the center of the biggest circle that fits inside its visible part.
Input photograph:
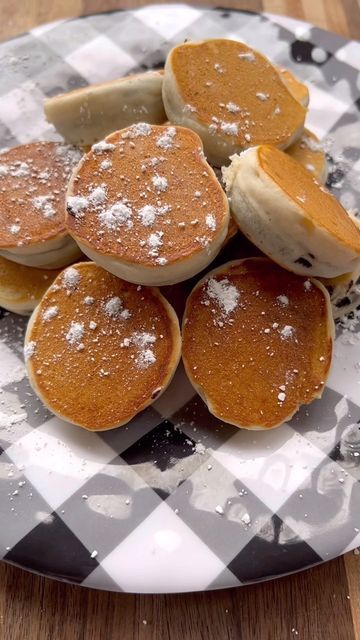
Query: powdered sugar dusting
(155, 242)
(76, 205)
(98, 195)
(102, 146)
(146, 356)
(147, 215)
(287, 332)
(210, 221)
(232, 107)
(50, 313)
(137, 130)
(166, 140)
(262, 96)
(223, 293)
(248, 55)
(106, 164)
(43, 204)
(71, 278)
(229, 128)
(310, 143)
(160, 183)
(113, 306)
(118, 215)
(283, 300)
(75, 333)
(29, 350)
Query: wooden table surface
(319, 604)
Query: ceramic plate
(177, 501)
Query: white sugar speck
(232, 107)
(219, 510)
(188, 108)
(75, 332)
(105, 164)
(307, 285)
(147, 215)
(224, 293)
(154, 241)
(248, 55)
(21, 171)
(283, 300)
(50, 313)
(246, 519)
(118, 215)
(43, 204)
(29, 350)
(210, 221)
(100, 147)
(145, 358)
(137, 130)
(14, 229)
(229, 128)
(262, 96)
(76, 205)
(89, 300)
(71, 278)
(287, 332)
(166, 140)
(281, 396)
(160, 183)
(311, 144)
(113, 306)
(94, 554)
(97, 196)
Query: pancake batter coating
(85, 116)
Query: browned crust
(318, 205)
(101, 385)
(186, 172)
(231, 365)
(17, 193)
(235, 80)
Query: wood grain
(311, 605)
(320, 604)
(342, 16)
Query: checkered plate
(177, 501)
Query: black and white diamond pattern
(176, 500)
